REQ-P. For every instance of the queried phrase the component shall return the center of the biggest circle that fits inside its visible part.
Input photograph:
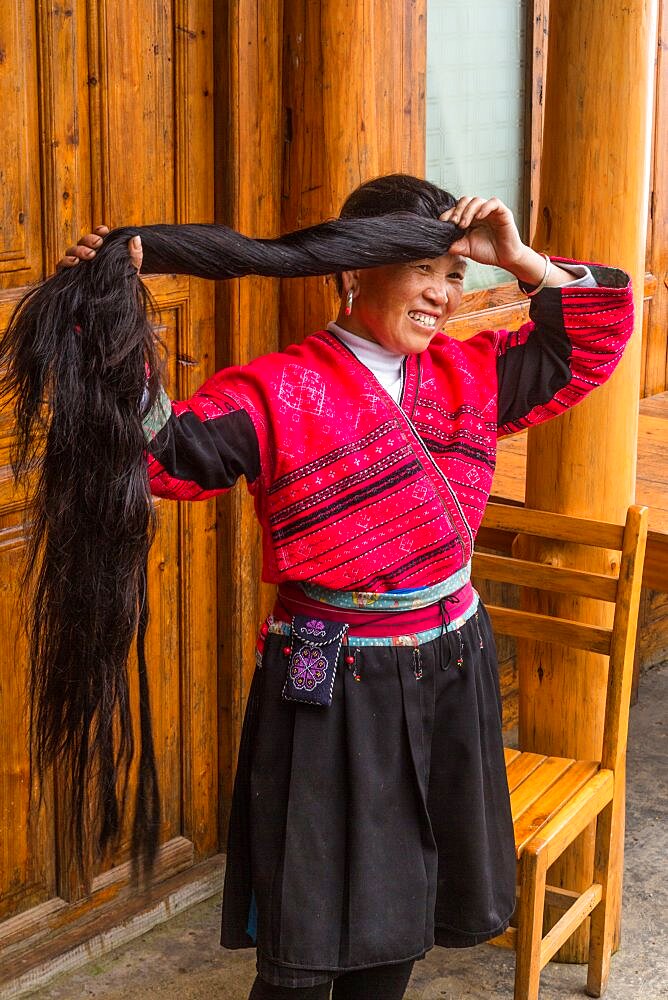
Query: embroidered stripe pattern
(355, 493)
(598, 324)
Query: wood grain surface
(585, 463)
(124, 98)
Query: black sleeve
(199, 452)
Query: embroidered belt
(391, 600)
(445, 606)
(277, 627)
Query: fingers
(85, 248)
(69, 260)
(136, 252)
(471, 209)
(464, 211)
(90, 240)
(459, 246)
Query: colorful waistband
(394, 613)
(278, 627)
(393, 600)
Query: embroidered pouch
(313, 659)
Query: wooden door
(107, 117)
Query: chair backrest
(502, 524)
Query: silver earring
(349, 302)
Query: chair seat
(540, 787)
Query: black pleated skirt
(363, 833)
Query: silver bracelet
(546, 275)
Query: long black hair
(79, 360)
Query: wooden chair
(554, 799)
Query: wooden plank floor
(652, 482)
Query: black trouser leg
(265, 991)
(386, 982)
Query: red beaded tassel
(350, 660)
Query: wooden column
(247, 35)
(354, 105)
(593, 206)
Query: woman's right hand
(88, 244)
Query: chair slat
(506, 940)
(571, 919)
(545, 628)
(545, 807)
(560, 898)
(537, 784)
(543, 577)
(510, 753)
(574, 816)
(560, 526)
(624, 639)
(498, 541)
(520, 768)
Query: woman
(371, 813)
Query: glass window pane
(475, 105)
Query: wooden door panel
(165, 666)
(26, 864)
(123, 97)
(20, 232)
(63, 95)
(137, 111)
(186, 310)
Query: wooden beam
(594, 192)
(571, 919)
(538, 576)
(249, 134)
(508, 621)
(354, 107)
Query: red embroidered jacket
(355, 492)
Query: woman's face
(403, 306)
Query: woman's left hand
(89, 244)
(492, 236)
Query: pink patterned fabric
(357, 493)
(599, 323)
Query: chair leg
(533, 870)
(607, 871)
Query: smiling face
(403, 306)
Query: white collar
(371, 354)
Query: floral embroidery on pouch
(308, 668)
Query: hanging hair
(74, 360)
